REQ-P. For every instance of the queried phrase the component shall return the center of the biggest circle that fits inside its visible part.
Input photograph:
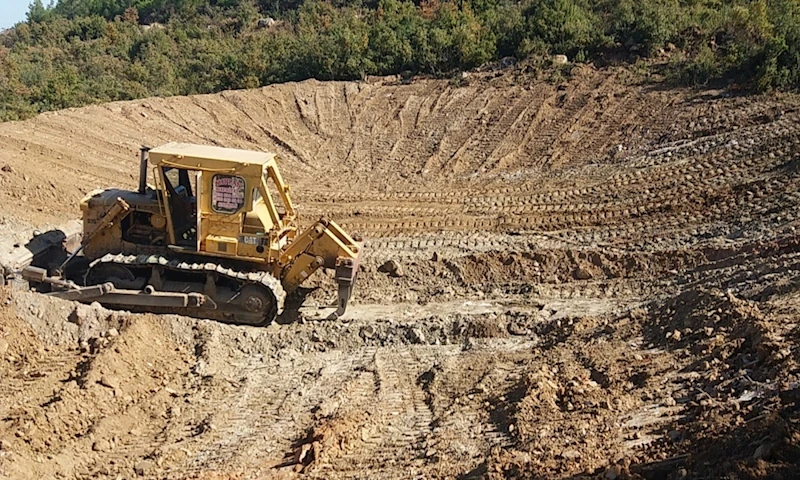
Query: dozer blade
(43, 250)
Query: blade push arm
(120, 207)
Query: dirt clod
(392, 268)
(144, 467)
(101, 446)
(109, 381)
(583, 274)
(517, 328)
(417, 336)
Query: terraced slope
(597, 279)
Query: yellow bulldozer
(216, 236)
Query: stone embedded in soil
(613, 472)
(144, 467)
(3, 346)
(82, 314)
(417, 336)
(571, 454)
(101, 445)
(109, 381)
(583, 274)
(762, 451)
(392, 268)
(368, 331)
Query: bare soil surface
(596, 279)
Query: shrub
(561, 26)
(85, 51)
(646, 23)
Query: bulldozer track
(263, 279)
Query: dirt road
(598, 279)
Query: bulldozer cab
(179, 193)
(222, 201)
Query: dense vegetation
(84, 51)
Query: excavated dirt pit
(595, 280)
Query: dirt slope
(597, 279)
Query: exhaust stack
(143, 169)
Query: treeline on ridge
(78, 52)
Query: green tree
(37, 12)
(646, 23)
(564, 26)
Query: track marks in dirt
(420, 408)
(713, 179)
(256, 423)
(540, 150)
(398, 420)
